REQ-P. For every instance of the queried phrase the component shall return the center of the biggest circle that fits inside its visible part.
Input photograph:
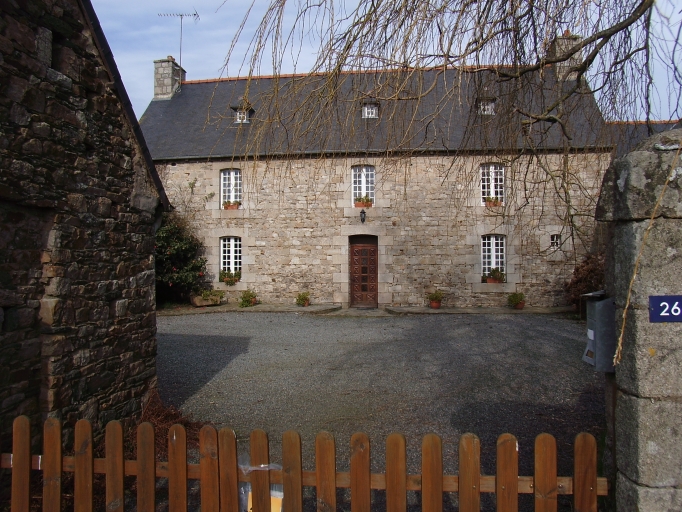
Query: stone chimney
(168, 76)
(560, 46)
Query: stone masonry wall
(296, 218)
(77, 214)
(648, 444)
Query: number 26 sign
(665, 308)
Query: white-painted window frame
(555, 241)
(230, 185)
(370, 111)
(492, 182)
(231, 253)
(493, 253)
(241, 116)
(364, 177)
(486, 107)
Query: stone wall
(296, 218)
(648, 395)
(77, 216)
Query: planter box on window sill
(363, 205)
(231, 206)
(492, 204)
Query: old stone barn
(79, 203)
(458, 183)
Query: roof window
(486, 106)
(370, 110)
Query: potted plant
(229, 278)
(492, 201)
(207, 298)
(495, 276)
(515, 300)
(435, 298)
(231, 205)
(363, 202)
(303, 299)
(248, 299)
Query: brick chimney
(560, 46)
(168, 76)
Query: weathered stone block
(649, 441)
(633, 497)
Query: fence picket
(360, 476)
(83, 467)
(208, 464)
(396, 473)
(325, 462)
(229, 476)
(177, 469)
(469, 473)
(260, 480)
(545, 481)
(292, 472)
(21, 464)
(432, 473)
(52, 465)
(113, 448)
(507, 477)
(146, 468)
(585, 474)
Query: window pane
(231, 254)
(230, 185)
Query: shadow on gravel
(189, 362)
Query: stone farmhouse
(80, 200)
(459, 183)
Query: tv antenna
(195, 15)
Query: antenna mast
(195, 15)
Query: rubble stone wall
(77, 216)
(297, 215)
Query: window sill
(493, 287)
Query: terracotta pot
(435, 304)
(231, 207)
(254, 301)
(306, 304)
(363, 205)
(491, 280)
(520, 305)
(493, 203)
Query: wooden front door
(363, 271)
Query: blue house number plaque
(665, 308)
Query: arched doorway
(363, 267)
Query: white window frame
(492, 182)
(493, 253)
(486, 107)
(231, 253)
(241, 116)
(230, 185)
(364, 177)
(370, 111)
(555, 241)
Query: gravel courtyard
(448, 374)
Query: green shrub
(436, 296)
(515, 298)
(179, 269)
(496, 273)
(207, 294)
(247, 299)
(588, 276)
(302, 298)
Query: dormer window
(486, 106)
(241, 116)
(370, 111)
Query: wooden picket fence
(219, 474)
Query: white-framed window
(363, 182)
(370, 111)
(241, 116)
(492, 253)
(486, 107)
(231, 253)
(230, 185)
(492, 182)
(555, 241)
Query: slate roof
(430, 111)
(627, 135)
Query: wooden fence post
(469, 473)
(545, 480)
(432, 474)
(507, 474)
(21, 464)
(208, 465)
(146, 468)
(325, 468)
(585, 473)
(52, 465)
(113, 447)
(84, 469)
(396, 474)
(292, 472)
(229, 473)
(360, 476)
(177, 469)
(260, 480)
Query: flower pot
(491, 280)
(493, 203)
(231, 207)
(199, 302)
(434, 304)
(254, 301)
(363, 205)
(520, 305)
(306, 304)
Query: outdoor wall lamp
(363, 216)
